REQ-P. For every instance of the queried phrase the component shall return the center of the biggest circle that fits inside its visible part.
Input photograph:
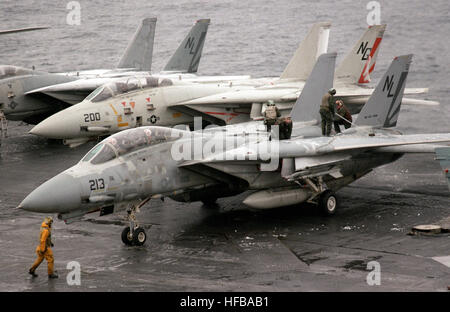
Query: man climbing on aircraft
(327, 111)
(285, 128)
(342, 117)
(43, 250)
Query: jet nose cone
(57, 195)
(62, 125)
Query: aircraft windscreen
(105, 154)
(105, 94)
(92, 152)
(100, 153)
(94, 93)
(11, 71)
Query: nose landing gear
(137, 237)
(134, 235)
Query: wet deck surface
(228, 248)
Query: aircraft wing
(284, 98)
(245, 97)
(313, 151)
(305, 158)
(279, 94)
(301, 159)
(234, 106)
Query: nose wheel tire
(139, 236)
(328, 203)
(127, 238)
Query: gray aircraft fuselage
(16, 105)
(150, 170)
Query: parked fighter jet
(443, 155)
(138, 102)
(20, 95)
(32, 96)
(141, 101)
(129, 168)
(137, 60)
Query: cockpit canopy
(7, 71)
(122, 86)
(129, 141)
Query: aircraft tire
(328, 203)
(139, 237)
(126, 237)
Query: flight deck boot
(33, 274)
(53, 275)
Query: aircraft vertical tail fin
(315, 44)
(443, 155)
(360, 62)
(187, 57)
(306, 108)
(139, 52)
(383, 107)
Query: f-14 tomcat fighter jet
(144, 101)
(32, 96)
(22, 95)
(129, 168)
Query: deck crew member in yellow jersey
(43, 250)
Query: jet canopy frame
(129, 141)
(115, 88)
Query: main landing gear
(325, 199)
(134, 235)
(328, 203)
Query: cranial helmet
(332, 91)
